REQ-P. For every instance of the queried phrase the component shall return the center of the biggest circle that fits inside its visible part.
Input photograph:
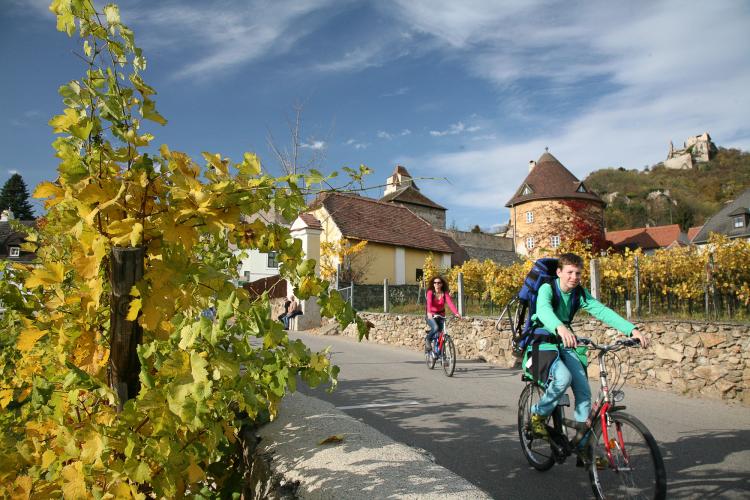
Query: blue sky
(465, 91)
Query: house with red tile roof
(648, 239)
(402, 190)
(398, 240)
(552, 206)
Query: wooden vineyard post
(125, 336)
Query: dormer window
(739, 221)
(14, 252)
(582, 189)
(526, 190)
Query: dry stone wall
(692, 358)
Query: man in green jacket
(567, 369)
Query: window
(739, 221)
(554, 241)
(247, 275)
(272, 262)
(529, 243)
(420, 275)
(526, 190)
(14, 252)
(529, 217)
(581, 189)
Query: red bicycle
(620, 453)
(443, 349)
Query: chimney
(532, 164)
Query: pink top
(437, 306)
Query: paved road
(468, 423)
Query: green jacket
(550, 318)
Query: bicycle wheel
(537, 451)
(430, 358)
(449, 356)
(637, 467)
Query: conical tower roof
(549, 179)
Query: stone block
(689, 352)
(663, 352)
(663, 375)
(693, 340)
(712, 339)
(710, 373)
(724, 385)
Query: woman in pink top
(437, 298)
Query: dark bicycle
(443, 349)
(620, 454)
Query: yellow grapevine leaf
(48, 457)
(194, 472)
(28, 337)
(21, 488)
(6, 396)
(135, 307)
(250, 165)
(74, 484)
(62, 123)
(47, 189)
(50, 274)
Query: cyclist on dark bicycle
(554, 349)
(437, 297)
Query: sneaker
(584, 459)
(539, 426)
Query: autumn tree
(64, 431)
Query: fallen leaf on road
(336, 438)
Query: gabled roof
(549, 179)
(647, 238)
(310, 221)
(410, 195)
(722, 222)
(12, 238)
(363, 218)
(693, 231)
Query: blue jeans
(435, 324)
(566, 371)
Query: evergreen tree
(15, 196)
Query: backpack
(528, 331)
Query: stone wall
(692, 358)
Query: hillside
(658, 195)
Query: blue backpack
(528, 331)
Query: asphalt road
(468, 422)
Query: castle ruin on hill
(697, 149)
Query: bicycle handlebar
(617, 345)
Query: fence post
(461, 294)
(637, 288)
(595, 279)
(351, 295)
(628, 310)
(385, 295)
(125, 336)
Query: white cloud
(398, 92)
(357, 145)
(315, 145)
(12, 171)
(224, 36)
(382, 134)
(455, 129)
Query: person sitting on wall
(291, 309)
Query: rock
(664, 375)
(710, 373)
(663, 352)
(689, 353)
(724, 385)
(712, 339)
(693, 341)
